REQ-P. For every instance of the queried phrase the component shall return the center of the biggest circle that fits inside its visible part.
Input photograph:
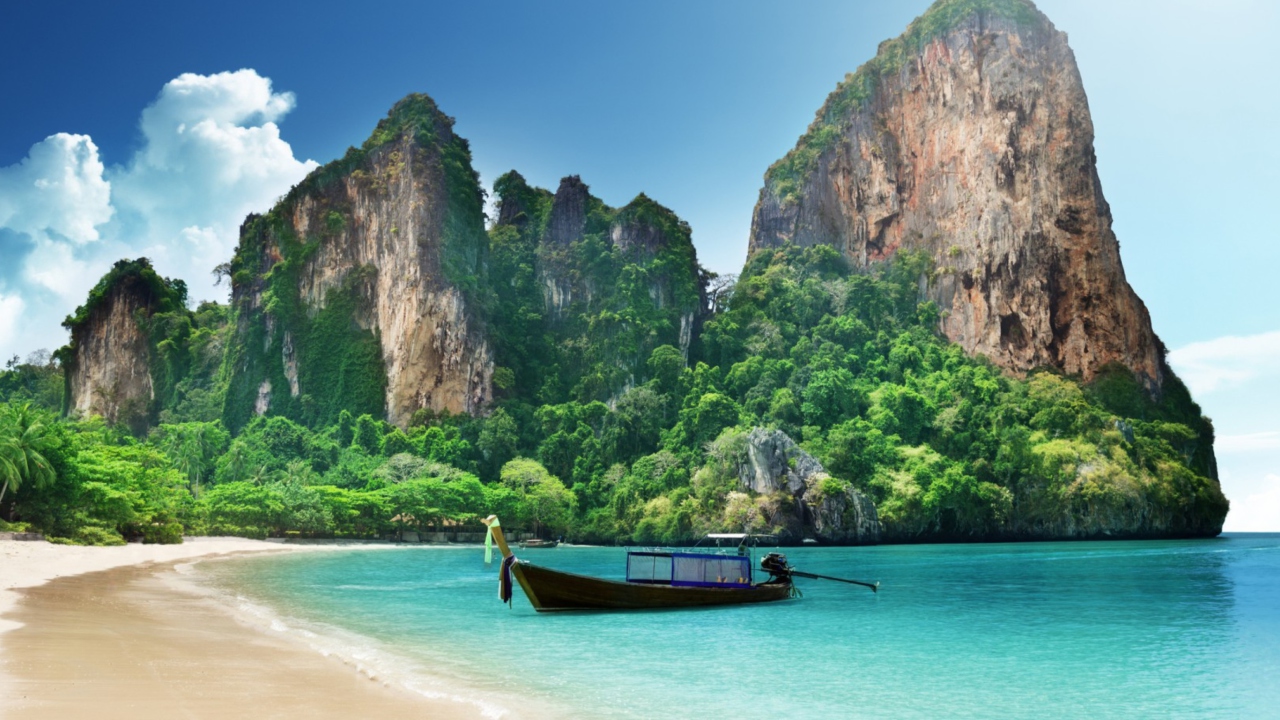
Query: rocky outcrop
(825, 508)
(637, 232)
(385, 242)
(614, 283)
(111, 374)
(434, 351)
(518, 203)
(969, 139)
(109, 362)
(568, 212)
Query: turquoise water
(1116, 629)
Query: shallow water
(1120, 629)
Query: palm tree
(298, 472)
(237, 462)
(8, 469)
(188, 446)
(21, 445)
(260, 476)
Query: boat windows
(650, 568)
(688, 569)
(710, 570)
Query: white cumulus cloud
(1226, 361)
(58, 188)
(58, 268)
(211, 153)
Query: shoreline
(31, 563)
(120, 632)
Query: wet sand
(130, 642)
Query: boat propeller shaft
(776, 565)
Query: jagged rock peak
(108, 361)
(568, 212)
(355, 291)
(416, 113)
(969, 139)
(825, 507)
(645, 226)
(514, 203)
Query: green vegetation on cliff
(184, 348)
(622, 403)
(946, 445)
(578, 320)
(338, 363)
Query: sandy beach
(106, 633)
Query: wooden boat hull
(552, 590)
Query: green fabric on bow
(488, 542)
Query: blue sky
(687, 102)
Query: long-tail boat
(655, 579)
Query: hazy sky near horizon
(151, 128)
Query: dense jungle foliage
(848, 364)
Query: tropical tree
(22, 444)
(298, 472)
(237, 462)
(544, 501)
(192, 447)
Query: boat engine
(776, 565)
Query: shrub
(90, 535)
(169, 533)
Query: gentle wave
(363, 654)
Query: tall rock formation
(588, 291)
(359, 289)
(968, 138)
(111, 364)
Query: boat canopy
(739, 539)
(680, 569)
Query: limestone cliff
(358, 290)
(589, 290)
(969, 138)
(110, 361)
(822, 507)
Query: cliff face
(588, 290)
(969, 139)
(111, 360)
(111, 375)
(356, 291)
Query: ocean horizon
(1066, 629)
